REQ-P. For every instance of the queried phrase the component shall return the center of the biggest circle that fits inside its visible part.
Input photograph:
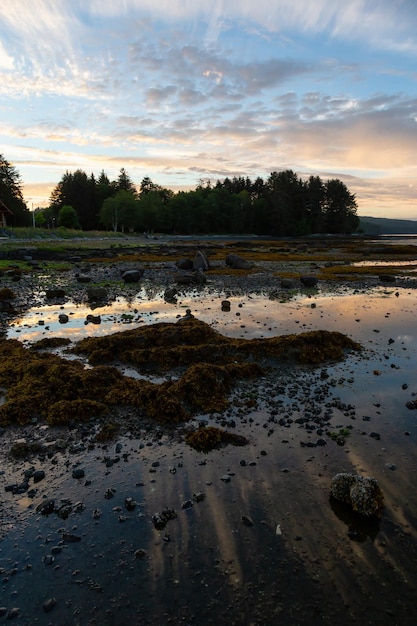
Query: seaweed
(208, 438)
(44, 386)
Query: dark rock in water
(225, 305)
(13, 613)
(247, 520)
(46, 507)
(375, 435)
(63, 318)
(78, 473)
(49, 604)
(362, 493)
(132, 276)
(140, 553)
(309, 281)
(93, 319)
(160, 520)
(70, 538)
(199, 496)
(130, 504)
(187, 504)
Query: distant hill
(386, 226)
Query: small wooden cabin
(4, 214)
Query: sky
(188, 90)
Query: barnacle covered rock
(362, 493)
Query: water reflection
(361, 315)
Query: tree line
(282, 205)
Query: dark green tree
(78, 190)
(67, 217)
(120, 212)
(286, 201)
(340, 208)
(11, 194)
(315, 193)
(125, 183)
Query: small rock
(49, 604)
(140, 553)
(38, 476)
(247, 520)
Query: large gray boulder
(200, 261)
(237, 263)
(132, 276)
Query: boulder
(362, 493)
(200, 261)
(52, 294)
(93, 319)
(63, 318)
(170, 295)
(309, 281)
(95, 294)
(132, 276)
(237, 263)
(184, 264)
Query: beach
(143, 528)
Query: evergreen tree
(340, 208)
(11, 194)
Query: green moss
(208, 438)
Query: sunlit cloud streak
(183, 90)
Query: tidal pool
(264, 545)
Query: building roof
(4, 208)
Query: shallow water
(303, 561)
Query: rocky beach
(189, 478)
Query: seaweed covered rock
(208, 438)
(362, 493)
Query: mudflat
(170, 460)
